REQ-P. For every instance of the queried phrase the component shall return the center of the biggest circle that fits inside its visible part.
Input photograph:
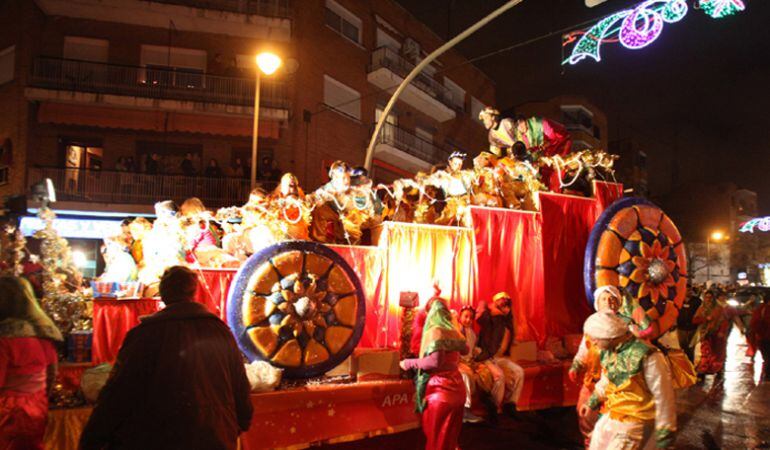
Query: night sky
(697, 99)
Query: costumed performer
(440, 393)
(518, 179)
(139, 228)
(163, 246)
(27, 365)
(635, 387)
(501, 133)
(760, 334)
(293, 215)
(486, 187)
(619, 301)
(202, 239)
(713, 328)
(456, 184)
(542, 136)
(330, 202)
(474, 374)
(495, 339)
(120, 266)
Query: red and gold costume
(27, 365)
(440, 392)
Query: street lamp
(716, 236)
(267, 63)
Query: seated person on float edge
(495, 339)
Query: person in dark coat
(179, 381)
(496, 336)
(685, 327)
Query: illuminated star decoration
(718, 9)
(638, 27)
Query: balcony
(268, 8)
(407, 151)
(388, 69)
(104, 186)
(246, 19)
(163, 83)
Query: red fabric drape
(510, 259)
(607, 193)
(112, 320)
(213, 286)
(567, 222)
(417, 255)
(367, 263)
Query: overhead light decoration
(718, 9)
(760, 223)
(638, 27)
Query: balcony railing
(154, 82)
(385, 57)
(411, 144)
(106, 186)
(269, 8)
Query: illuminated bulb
(268, 63)
(79, 258)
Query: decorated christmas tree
(63, 299)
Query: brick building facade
(97, 80)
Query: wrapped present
(103, 289)
(129, 289)
(79, 346)
(377, 364)
(112, 289)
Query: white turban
(607, 288)
(604, 325)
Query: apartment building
(88, 84)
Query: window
(458, 93)
(173, 66)
(577, 117)
(4, 175)
(386, 40)
(85, 49)
(342, 21)
(476, 107)
(7, 64)
(342, 98)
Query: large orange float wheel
(635, 245)
(297, 305)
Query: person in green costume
(636, 388)
(440, 392)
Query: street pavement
(730, 411)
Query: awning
(160, 121)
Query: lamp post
(267, 63)
(716, 236)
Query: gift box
(79, 346)
(103, 289)
(110, 289)
(377, 364)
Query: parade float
(315, 285)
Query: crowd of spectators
(153, 164)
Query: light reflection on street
(729, 411)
